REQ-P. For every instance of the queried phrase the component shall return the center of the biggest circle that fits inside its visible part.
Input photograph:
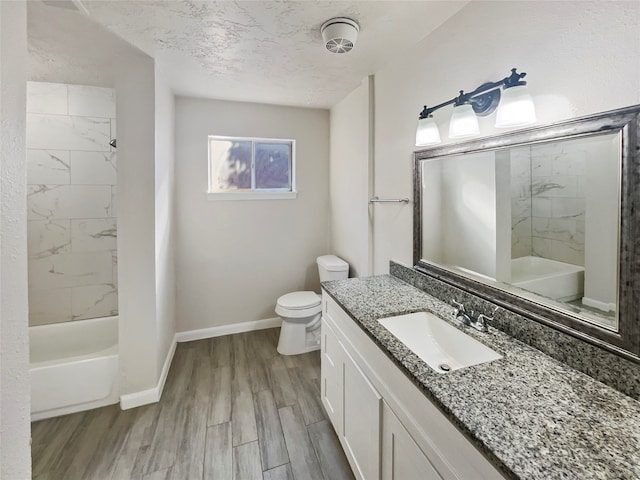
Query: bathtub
(556, 280)
(74, 366)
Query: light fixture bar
(517, 110)
(511, 81)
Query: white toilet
(301, 311)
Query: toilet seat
(298, 300)
(298, 304)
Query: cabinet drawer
(334, 312)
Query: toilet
(301, 312)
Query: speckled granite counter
(534, 417)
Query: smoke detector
(339, 34)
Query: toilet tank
(331, 267)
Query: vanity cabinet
(402, 459)
(353, 404)
(388, 429)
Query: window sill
(226, 196)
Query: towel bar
(376, 199)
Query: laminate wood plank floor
(232, 409)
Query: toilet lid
(299, 300)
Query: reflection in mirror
(540, 220)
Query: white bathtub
(74, 366)
(556, 280)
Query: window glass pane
(230, 164)
(273, 165)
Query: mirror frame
(626, 341)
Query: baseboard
(57, 412)
(211, 332)
(604, 306)
(145, 397)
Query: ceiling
(258, 51)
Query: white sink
(442, 346)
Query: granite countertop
(534, 417)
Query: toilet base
(295, 338)
(300, 351)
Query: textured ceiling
(260, 51)
(66, 47)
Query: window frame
(254, 193)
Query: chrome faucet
(479, 323)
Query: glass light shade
(464, 122)
(516, 108)
(427, 132)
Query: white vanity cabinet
(353, 404)
(387, 427)
(402, 459)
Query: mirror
(540, 221)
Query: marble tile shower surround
(71, 193)
(548, 201)
(606, 367)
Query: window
(251, 168)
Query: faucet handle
(459, 306)
(481, 322)
(461, 314)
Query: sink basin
(442, 346)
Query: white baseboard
(137, 399)
(604, 306)
(211, 332)
(57, 412)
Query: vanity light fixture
(515, 109)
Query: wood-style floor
(232, 408)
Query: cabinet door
(362, 415)
(332, 376)
(402, 459)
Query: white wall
(349, 175)
(234, 258)
(461, 216)
(165, 218)
(581, 58)
(15, 429)
(432, 212)
(469, 198)
(138, 335)
(601, 237)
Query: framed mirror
(542, 221)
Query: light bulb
(464, 122)
(516, 108)
(427, 132)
